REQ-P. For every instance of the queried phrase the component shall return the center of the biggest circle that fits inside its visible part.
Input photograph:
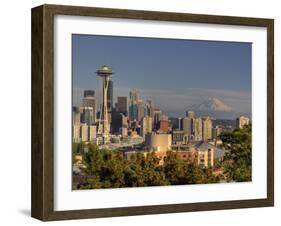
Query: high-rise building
(84, 132)
(89, 93)
(179, 123)
(87, 115)
(190, 114)
(92, 133)
(140, 112)
(76, 133)
(149, 108)
(124, 128)
(121, 106)
(198, 132)
(242, 121)
(216, 132)
(207, 128)
(75, 116)
(133, 104)
(89, 100)
(146, 125)
(164, 124)
(187, 125)
(157, 113)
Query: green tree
(237, 162)
(153, 172)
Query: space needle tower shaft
(104, 72)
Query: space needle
(104, 72)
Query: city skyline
(188, 86)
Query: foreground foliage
(110, 169)
(237, 162)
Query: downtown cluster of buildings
(132, 124)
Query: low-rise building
(158, 142)
(179, 137)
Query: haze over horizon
(175, 74)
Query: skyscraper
(89, 93)
(75, 116)
(122, 105)
(146, 125)
(207, 128)
(187, 125)
(157, 113)
(140, 110)
(89, 100)
(124, 128)
(133, 104)
(149, 108)
(198, 132)
(87, 115)
(190, 114)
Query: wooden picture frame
(43, 108)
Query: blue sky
(173, 73)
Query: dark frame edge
(37, 188)
(42, 113)
(270, 111)
(158, 209)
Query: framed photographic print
(141, 112)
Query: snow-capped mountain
(212, 104)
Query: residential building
(216, 132)
(205, 154)
(242, 121)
